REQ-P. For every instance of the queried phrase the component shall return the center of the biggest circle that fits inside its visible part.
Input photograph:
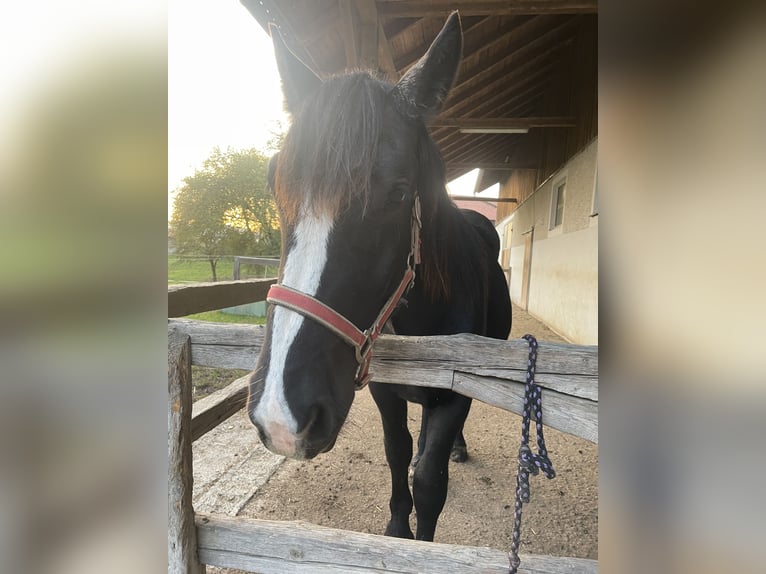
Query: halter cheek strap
(360, 341)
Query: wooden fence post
(182, 534)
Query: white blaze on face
(303, 270)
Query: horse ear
(423, 89)
(298, 80)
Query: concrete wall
(563, 283)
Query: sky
(223, 86)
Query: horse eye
(399, 193)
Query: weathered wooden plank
(434, 9)
(226, 356)
(211, 333)
(465, 353)
(510, 166)
(198, 297)
(182, 535)
(459, 352)
(347, 30)
(489, 370)
(274, 547)
(215, 408)
(484, 199)
(566, 413)
(222, 345)
(505, 123)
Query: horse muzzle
(317, 436)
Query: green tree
(225, 208)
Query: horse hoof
(399, 532)
(459, 454)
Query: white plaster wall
(517, 266)
(563, 287)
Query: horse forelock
(327, 160)
(329, 152)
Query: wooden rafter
(428, 9)
(503, 123)
(349, 32)
(520, 104)
(546, 41)
(484, 199)
(508, 105)
(469, 165)
(364, 40)
(270, 11)
(500, 36)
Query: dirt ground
(349, 487)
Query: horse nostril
(318, 422)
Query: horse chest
(421, 395)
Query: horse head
(354, 166)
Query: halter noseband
(360, 341)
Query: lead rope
(528, 461)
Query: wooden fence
(489, 370)
(265, 261)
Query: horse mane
(335, 134)
(333, 145)
(451, 249)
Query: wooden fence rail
(300, 548)
(265, 261)
(182, 534)
(198, 297)
(488, 370)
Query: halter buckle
(364, 350)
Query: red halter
(361, 341)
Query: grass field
(221, 317)
(208, 379)
(184, 270)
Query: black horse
(360, 187)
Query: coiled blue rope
(529, 462)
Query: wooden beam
(497, 37)
(215, 408)
(513, 106)
(386, 58)
(484, 165)
(522, 55)
(484, 199)
(296, 547)
(568, 374)
(348, 31)
(503, 123)
(474, 35)
(364, 40)
(430, 9)
(223, 346)
(368, 30)
(198, 297)
(182, 535)
(271, 11)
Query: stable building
(523, 111)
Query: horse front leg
(432, 472)
(398, 444)
(459, 448)
(421, 438)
